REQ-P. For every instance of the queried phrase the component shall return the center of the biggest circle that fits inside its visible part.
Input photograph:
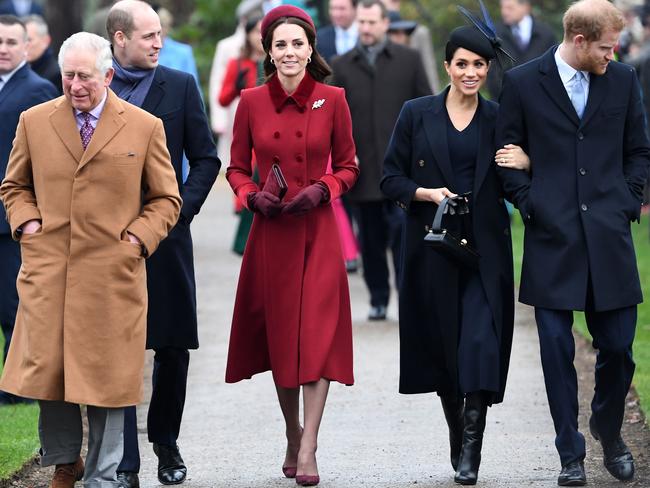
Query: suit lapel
(15, 81)
(485, 155)
(156, 92)
(598, 88)
(65, 125)
(435, 127)
(110, 122)
(554, 87)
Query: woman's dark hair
(247, 48)
(318, 68)
(450, 49)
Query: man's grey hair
(39, 22)
(86, 41)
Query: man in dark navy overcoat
(135, 33)
(20, 89)
(579, 115)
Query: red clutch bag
(275, 182)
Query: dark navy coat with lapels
(418, 156)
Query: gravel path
(233, 435)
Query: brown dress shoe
(66, 475)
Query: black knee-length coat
(418, 156)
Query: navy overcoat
(585, 186)
(418, 156)
(171, 317)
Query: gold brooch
(318, 104)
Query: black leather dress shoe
(377, 313)
(126, 479)
(171, 468)
(572, 474)
(617, 458)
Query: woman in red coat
(292, 310)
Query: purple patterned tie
(86, 130)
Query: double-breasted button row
(276, 134)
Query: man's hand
(30, 227)
(133, 239)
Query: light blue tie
(578, 96)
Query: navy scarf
(131, 84)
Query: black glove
(240, 82)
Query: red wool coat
(292, 310)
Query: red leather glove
(265, 203)
(306, 199)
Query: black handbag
(447, 243)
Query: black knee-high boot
(470, 454)
(452, 405)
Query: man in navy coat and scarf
(20, 89)
(135, 33)
(579, 116)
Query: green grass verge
(18, 434)
(642, 339)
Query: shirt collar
(7, 76)
(565, 70)
(352, 30)
(299, 97)
(97, 111)
(525, 25)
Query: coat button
(581, 136)
(299, 183)
(278, 110)
(276, 159)
(298, 133)
(506, 232)
(301, 110)
(421, 163)
(276, 134)
(582, 171)
(584, 207)
(426, 228)
(299, 158)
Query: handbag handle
(437, 220)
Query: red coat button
(300, 184)
(299, 158)
(276, 159)
(298, 134)
(276, 134)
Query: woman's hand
(513, 157)
(435, 195)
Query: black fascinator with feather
(486, 27)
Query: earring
(272, 61)
(309, 60)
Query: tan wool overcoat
(80, 330)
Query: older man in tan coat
(89, 192)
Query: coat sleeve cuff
(21, 216)
(146, 236)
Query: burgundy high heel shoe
(289, 471)
(307, 479)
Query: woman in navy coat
(292, 310)
(455, 323)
